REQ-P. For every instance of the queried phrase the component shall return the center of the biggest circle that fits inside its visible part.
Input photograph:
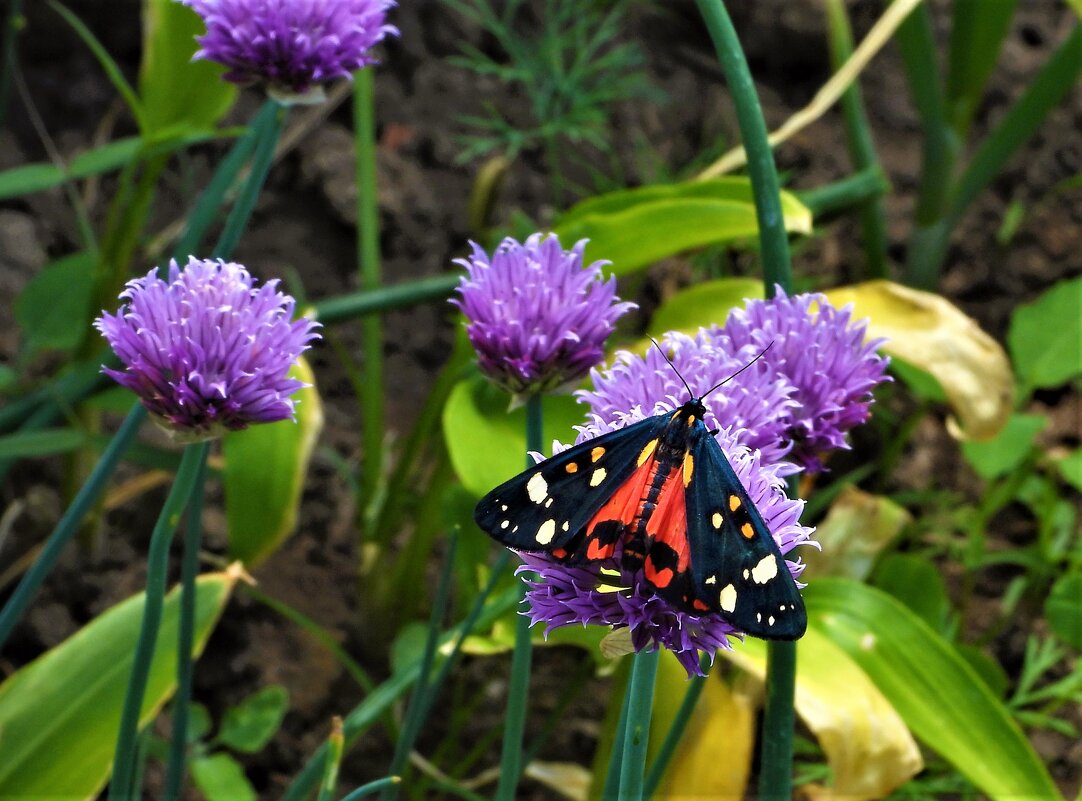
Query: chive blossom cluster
(292, 46)
(206, 350)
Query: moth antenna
(665, 356)
(738, 372)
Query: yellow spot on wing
(571, 467)
(747, 530)
(597, 453)
(647, 452)
(734, 503)
(689, 468)
(716, 519)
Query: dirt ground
(304, 226)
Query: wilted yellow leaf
(855, 530)
(569, 779)
(931, 333)
(868, 747)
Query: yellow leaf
(867, 745)
(929, 332)
(857, 527)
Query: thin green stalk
(776, 757)
(210, 200)
(640, 708)
(861, 145)
(191, 467)
(676, 731)
(518, 690)
(616, 755)
(242, 209)
(372, 413)
(384, 298)
(773, 240)
(336, 742)
(424, 696)
(371, 787)
(189, 569)
(69, 523)
(776, 764)
(857, 189)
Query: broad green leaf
(944, 703)
(990, 671)
(45, 442)
(175, 90)
(866, 742)
(634, 228)
(921, 383)
(221, 778)
(59, 715)
(53, 310)
(854, 532)
(1070, 467)
(249, 725)
(704, 304)
(917, 583)
(264, 472)
(1045, 337)
(487, 442)
(977, 33)
(1063, 609)
(1008, 449)
(699, 768)
(929, 332)
(199, 724)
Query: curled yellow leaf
(854, 532)
(933, 334)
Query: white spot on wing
(566, 525)
(505, 524)
(716, 519)
(765, 570)
(537, 488)
(548, 503)
(546, 532)
(727, 598)
(597, 477)
(711, 580)
(770, 621)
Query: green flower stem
(372, 413)
(213, 196)
(616, 755)
(481, 614)
(676, 731)
(69, 523)
(424, 695)
(191, 467)
(189, 569)
(856, 190)
(861, 146)
(336, 743)
(776, 764)
(640, 707)
(773, 240)
(242, 209)
(518, 689)
(384, 298)
(371, 787)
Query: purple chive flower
(821, 352)
(207, 351)
(560, 595)
(293, 46)
(536, 316)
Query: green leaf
(1045, 337)
(45, 442)
(264, 472)
(221, 778)
(176, 91)
(945, 704)
(634, 228)
(53, 310)
(1070, 467)
(1008, 449)
(198, 722)
(920, 382)
(917, 583)
(487, 442)
(977, 33)
(704, 304)
(59, 715)
(249, 725)
(1063, 610)
(986, 667)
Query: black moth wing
(737, 568)
(545, 507)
